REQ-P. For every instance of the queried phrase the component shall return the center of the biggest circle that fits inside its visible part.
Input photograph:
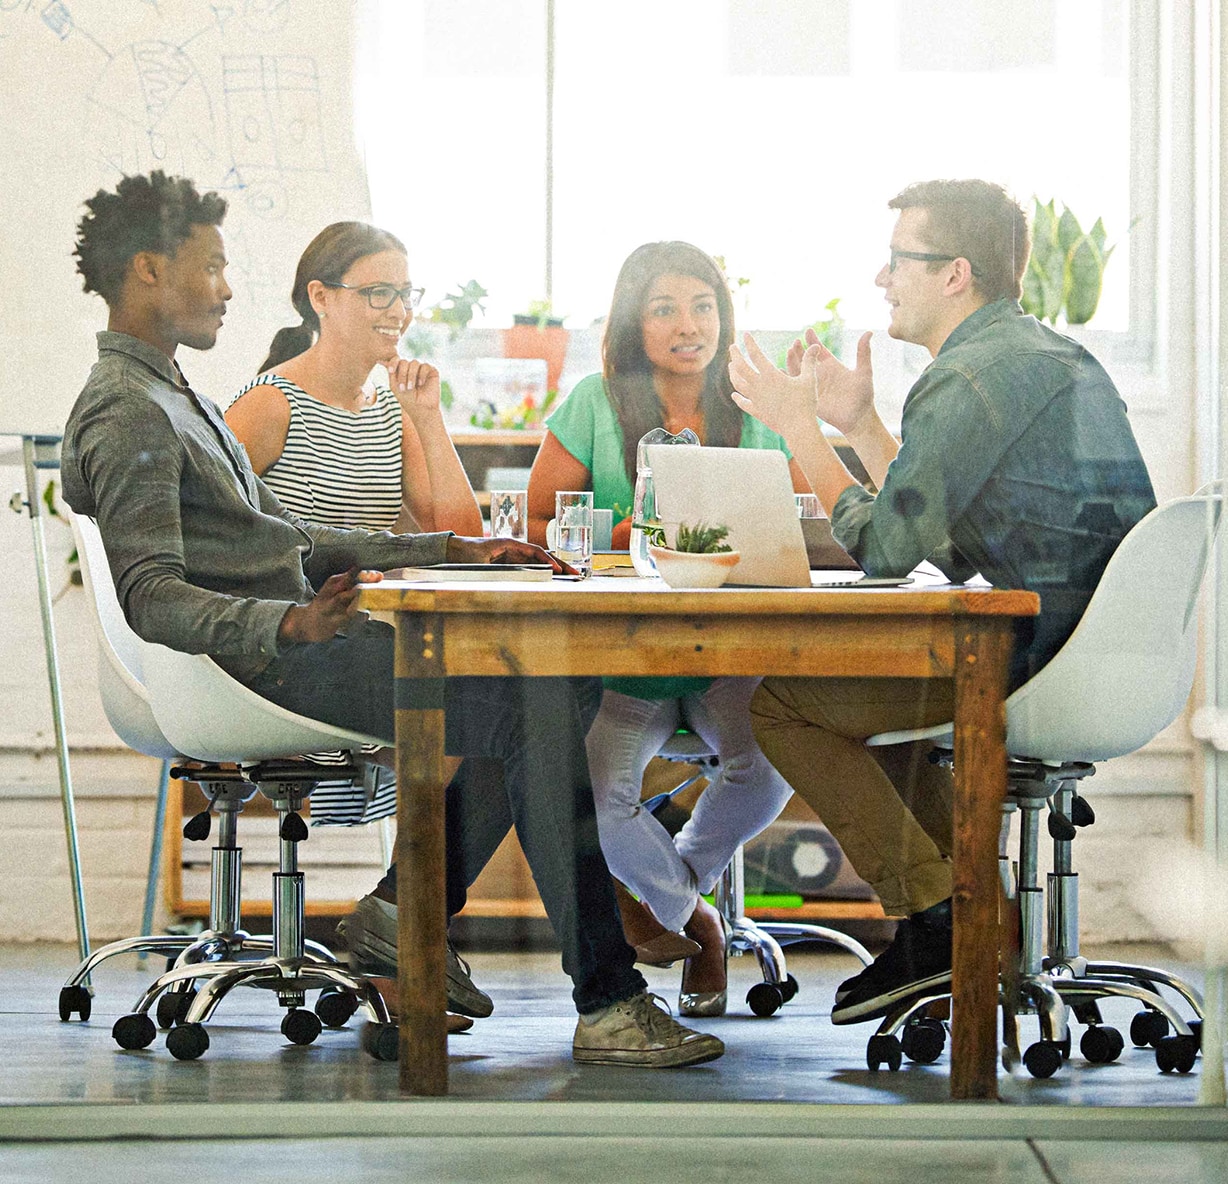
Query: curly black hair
(154, 213)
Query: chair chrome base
(207, 967)
(765, 939)
(1060, 982)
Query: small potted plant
(538, 333)
(699, 558)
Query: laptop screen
(746, 489)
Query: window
(771, 132)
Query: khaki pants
(889, 808)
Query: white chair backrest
(124, 696)
(1125, 673)
(210, 716)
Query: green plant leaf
(702, 539)
(1068, 231)
(1085, 271)
(1044, 277)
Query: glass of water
(509, 514)
(573, 513)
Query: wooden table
(618, 626)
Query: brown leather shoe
(654, 944)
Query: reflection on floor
(521, 1054)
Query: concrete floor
(71, 1093)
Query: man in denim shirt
(206, 560)
(1015, 460)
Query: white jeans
(668, 874)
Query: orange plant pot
(550, 343)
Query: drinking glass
(573, 512)
(509, 514)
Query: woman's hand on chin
(415, 384)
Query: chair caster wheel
(382, 1041)
(134, 1031)
(172, 1007)
(335, 1008)
(884, 1050)
(187, 1042)
(300, 1026)
(765, 998)
(1101, 1045)
(75, 999)
(789, 988)
(1148, 1027)
(923, 1041)
(1043, 1059)
(1176, 1054)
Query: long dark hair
(328, 257)
(626, 368)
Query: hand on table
(462, 550)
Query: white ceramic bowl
(691, 569)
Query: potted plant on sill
(538, 333)
(1065, 271)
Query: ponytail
(288, 343)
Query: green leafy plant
(456, 309)
(1065, 271)
(736, 282)
(540, 313)
(828, 329)
(702, 539)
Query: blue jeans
(530, 772)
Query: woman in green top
(664, 352)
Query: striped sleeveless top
(338, 467)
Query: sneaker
(370, 933)
(917, 962)
(641, 1031)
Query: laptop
(746, 489)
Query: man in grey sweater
(206, 560)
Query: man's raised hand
(784, 402)
(843, 397)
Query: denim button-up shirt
(204, 557)
(1016, 460)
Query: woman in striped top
(340, 449)
(333, 445)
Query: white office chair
(169, 704)
(1121, 678)
(126, 703)
(762, 939)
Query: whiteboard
(252, 98)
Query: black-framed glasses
(381, 296)
(921, 257)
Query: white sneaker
(641, 1031)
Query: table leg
(982, 651)
(421, 902)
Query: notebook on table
(746, 489)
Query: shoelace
(655, 1014)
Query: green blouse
(586, 425)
